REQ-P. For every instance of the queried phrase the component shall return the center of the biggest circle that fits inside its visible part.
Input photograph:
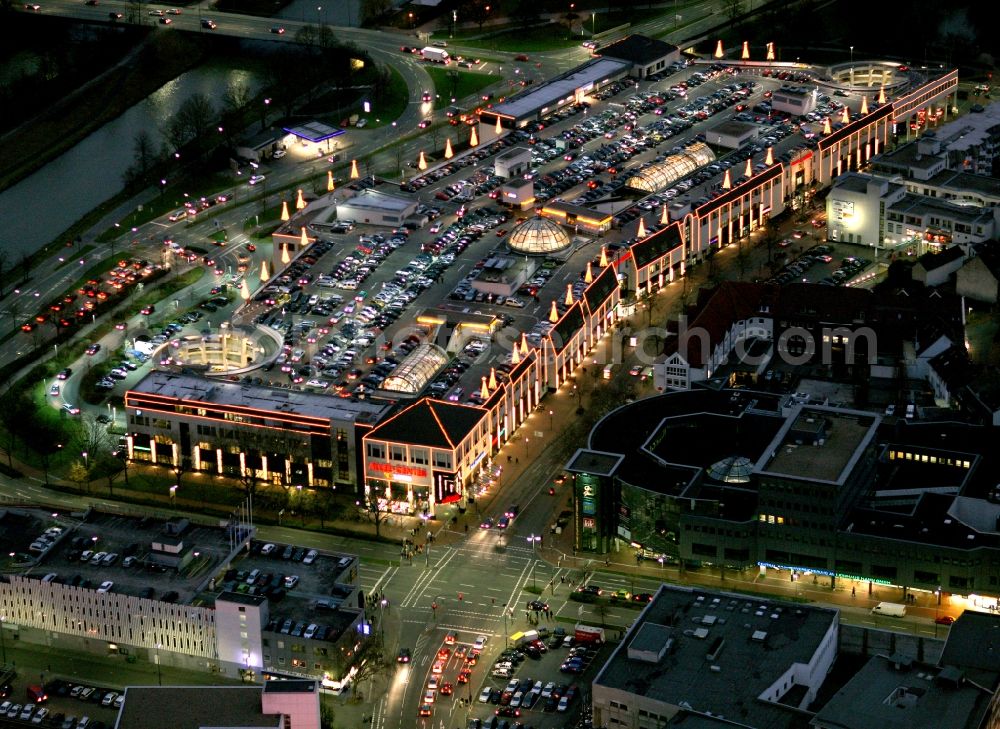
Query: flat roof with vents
(721, 653)
(819, 444)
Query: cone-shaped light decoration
(515, 355)
(484, 391)
(245, 291)
(473, 138)
(664, 215)
(264, 273)
(422, 162)
(876, 145)
(746, 51)
(718, 49)
(588, 277)
(499, 129)
(448, 154)
(642, 228)
(604, 257)
(354, 169)
(304, 240)
(524, 344)
(284, 210)
(845, 117)
(285, 258)
(769, 160)
(493, 378)
(770, 51)
(300, 202)
(553, 313)
(826, 126)
(569, 295)
(864, 104)
(329, 181)
(748, 172)
(726, 182)
(881, 95)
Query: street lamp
(86, 460)
(534, 539)
(550, 420)
(159, 673)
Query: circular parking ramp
(660, 176)
(414, 372)
(538, 237)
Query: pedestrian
(517, 461)
(853, 591)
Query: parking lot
(115, 549)
(68, 705)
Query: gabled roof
(564, 330)
(657, 245)
(739, 191)
(827, 304)
(729, 302)
(855, 126)
(931, 261)
(600, 288)
(431, 423)
(953, 366)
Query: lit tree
(79, 474)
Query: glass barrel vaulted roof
(414, 372)
(660, 176)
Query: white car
(432, 683)
(483, 697)
(310, 557)
(279, 153)
(361, 123)
(39, 717)
(549, 688)
(563, 704)
(267, 548)
(254, 179)
(480, 642)
(429, 696)
(106, 586)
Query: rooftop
(638, 49)
(185, 707)
(819, 444)
(922, 205)
(663, 656)
(429, 422)
(959, 182)
(970, 130)
(558, 88)
(192, 388)
(733, 128)
(594, 462)
(381, 201)
(897, 694)
(314, 131)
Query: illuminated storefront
(426, 455)
(190, 423)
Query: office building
(716, 658)
(277, 705)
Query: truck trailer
(588, 634)
(437, 55)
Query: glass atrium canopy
(414, 372)
(734, 469)
(660, 176)
(538, 236)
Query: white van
(911, 411)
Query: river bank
(159, 59)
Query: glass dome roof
(734, 469)
(414, 372)
(538, 236)
(660, 176)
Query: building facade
(246, 431)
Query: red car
(447, 689)
(444, 654)
(520, 57)
(944, 620)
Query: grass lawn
(390, 107)
(449, 84)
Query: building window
(376, 450)
(418, 455)
(397, 453)
(442, 459)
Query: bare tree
(374, 508)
